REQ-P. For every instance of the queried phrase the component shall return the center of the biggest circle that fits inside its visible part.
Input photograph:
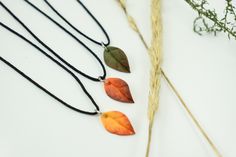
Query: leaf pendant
(117, 123)
(118, 89)
(115, 58)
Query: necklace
(115, 88)
(114, 121)
(114, 57)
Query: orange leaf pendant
(117, 123)
(118, 90)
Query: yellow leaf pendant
(117, 123)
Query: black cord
(80, 32)
(59, 64)
(52, 51)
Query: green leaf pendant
(116, 59)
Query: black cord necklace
(59, 64)
(115, 88)
(80, 32)
(103, 76)
(114, 121)
(114, 57)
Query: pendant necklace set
(114, 122)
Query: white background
(201, 68)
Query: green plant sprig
(227, 24)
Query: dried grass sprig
(155, 57)
(155, 54)
(210, 22)
(132, 22)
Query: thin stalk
(172, 87)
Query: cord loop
(104, 46)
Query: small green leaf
(116, 59)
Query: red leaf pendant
(117, 123)
(118, 90)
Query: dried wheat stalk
(155, 54)
(155, 58)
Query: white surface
(202, 69)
